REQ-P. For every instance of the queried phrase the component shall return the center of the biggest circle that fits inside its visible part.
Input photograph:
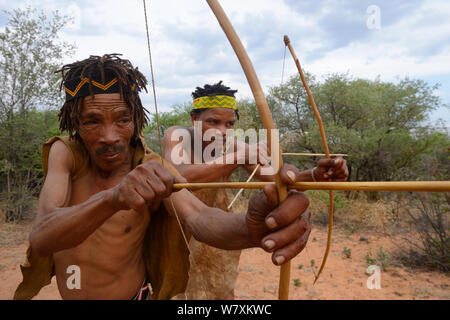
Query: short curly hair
(212, 90)
(131, 79)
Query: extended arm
(58, 226)
(334, 169)
(210, 225)
(203, 172)
(281, 230)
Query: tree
(178, 116)
(30, 53)
(429, 214)
(379, 124)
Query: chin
(109, 163)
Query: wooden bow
(267, 121)
(287, 43)
(266, 118)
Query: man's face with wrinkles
(106, 128)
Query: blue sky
(189, 49)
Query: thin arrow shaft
(313, 154)
(409, 186)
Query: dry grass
(14, 234)
(386, 216)
(2, 217)
(383, 216)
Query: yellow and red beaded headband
(219, 101)
(79, 87)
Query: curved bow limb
(264, 112)
(287, 42)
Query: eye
(93, 121)
(124, 120)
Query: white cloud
(189, 48)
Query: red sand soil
(342, 278)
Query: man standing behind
(214, 271)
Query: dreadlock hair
(129, 77)
(212, 90)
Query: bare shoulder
(60, 157)
(56, 190)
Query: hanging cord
(157, 121)
(153, 81)
(192, 259)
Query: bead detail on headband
(219, 101)
(94, 83)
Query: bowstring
(280, 102)
(157, 120)
(192, 259)
(281, 105)
(153, 79)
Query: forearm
(67, 227)
(221, 229)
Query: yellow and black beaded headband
(79, 87)
(218, 101)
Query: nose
(109, 135)
(223, 131)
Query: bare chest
(110, 259)
(125, 228)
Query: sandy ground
(343, 277)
